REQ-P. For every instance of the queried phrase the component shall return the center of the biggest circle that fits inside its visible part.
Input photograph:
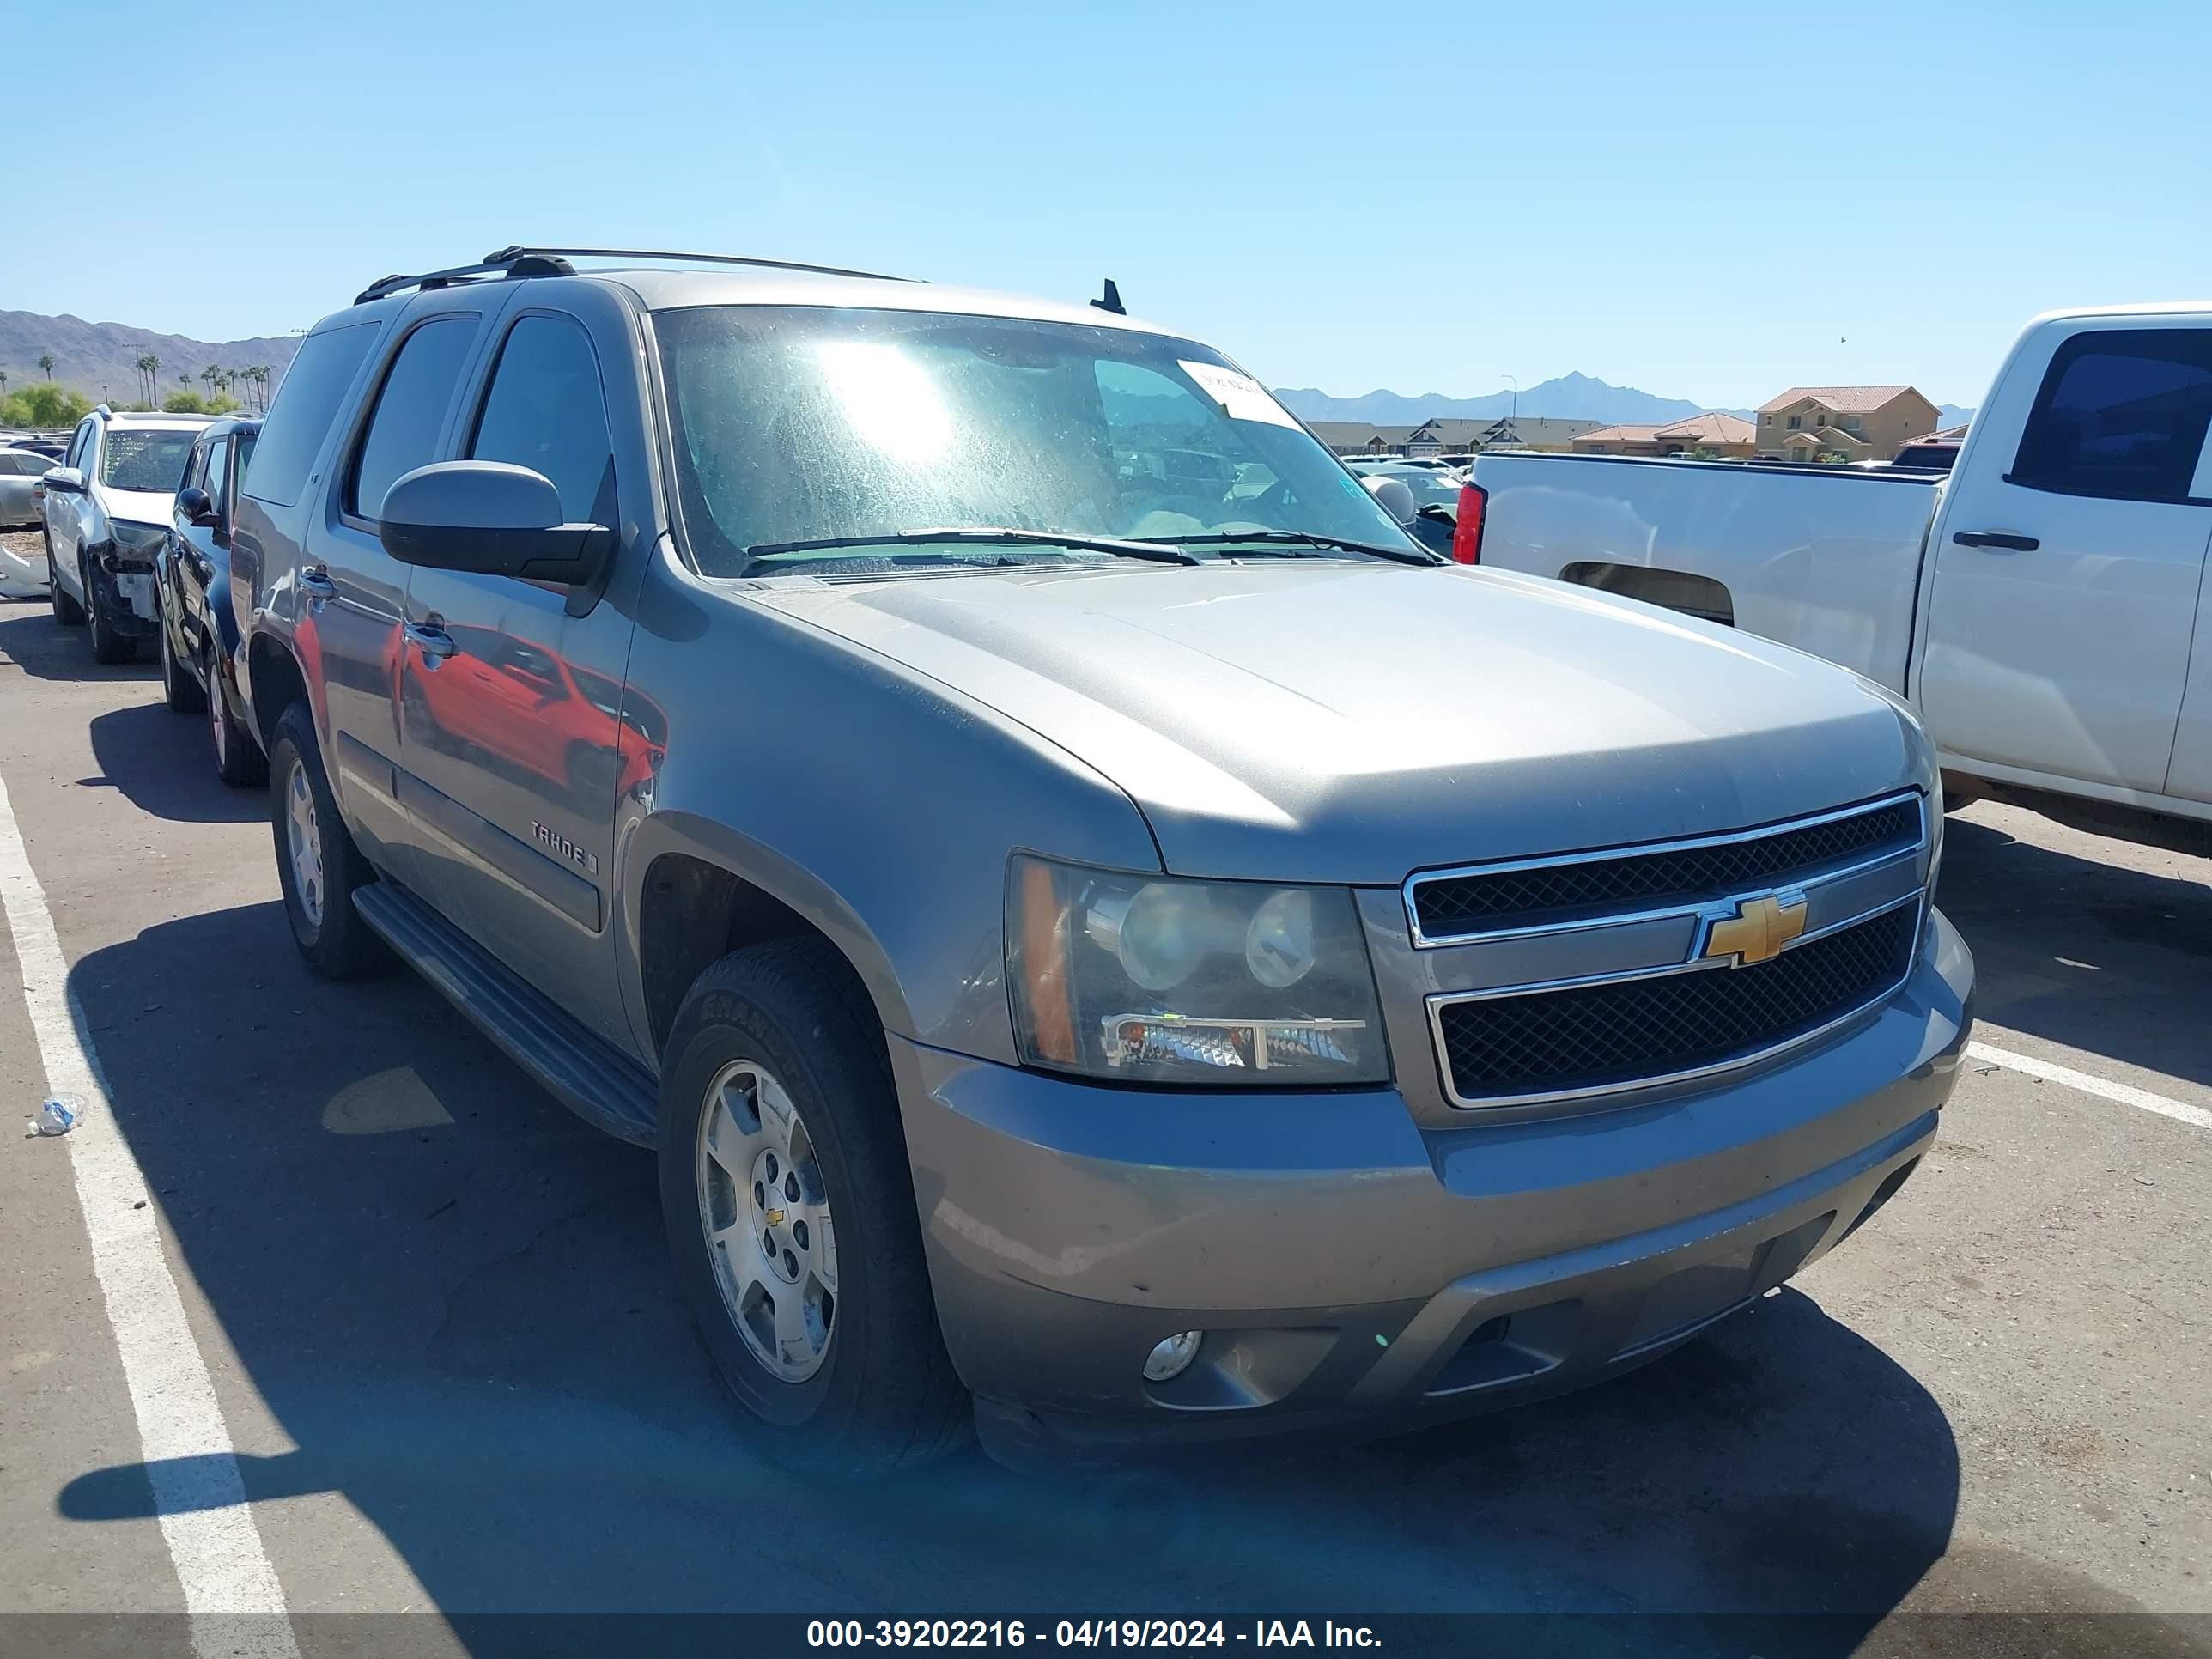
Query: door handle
(430, 640)
(317, 586)
(2004, 538)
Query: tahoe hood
(1327, 721)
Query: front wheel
(318, 865)
(108, 645)
(67, 611)
(789, 1207)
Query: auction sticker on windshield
(1241, 396)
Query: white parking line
(2126, 1093)
(231, 1591)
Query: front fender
(645, 838)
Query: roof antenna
(1112, 302)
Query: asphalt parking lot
(434, 1312)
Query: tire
(238, 761)
(330, 933)
(107, 645)
(180, 690)
(884, 1394)
(67, 611)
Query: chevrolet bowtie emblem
(1758, 930)
(775, 1217)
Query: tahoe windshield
(147, 460)
(810, 425)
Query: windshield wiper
(1306, 538)
(981, 535)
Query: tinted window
(77, 445)
(300, 419)
(212, 480)
(410, 411)
(2121, 414)
(545, 411)
(24, 465)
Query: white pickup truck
(2044, 606)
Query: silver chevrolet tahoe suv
(1107, 939)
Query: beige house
(1716, 437)
(1843, 422)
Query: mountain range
(91, 356)
(1572, 397)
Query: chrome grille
(1589, 1039)
(1451, 906)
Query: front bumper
(124, 595)
(1352, 1268)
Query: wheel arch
(694, 890)
(275, 682)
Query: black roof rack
(519, 261)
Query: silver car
(1107, 939)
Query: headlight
(1147, 979)
(138, 543)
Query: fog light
(1171, 1358)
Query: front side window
(306, 401)
(215, 481)
(804, 424)
(148, 461)
(545, 411)
(80, 444)
(2121, 414)
(410, 411)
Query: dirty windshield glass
(805, 424)
(147, 460)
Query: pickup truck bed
(1838, 557)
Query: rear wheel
(789, 1206)
(67, 611)
(180, 690)
(318, 864)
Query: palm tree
(3, 382)
(261, 380)
(47, 363)
(222, 380)
(153, 379)
(209, 374)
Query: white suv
(107, 514)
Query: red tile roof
(1843, 399)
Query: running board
(583, 1072)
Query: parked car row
(1109, 937)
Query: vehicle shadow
(2095, 955)
(31, 640)
(164, 763)
(453, 1299)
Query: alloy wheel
(765, 1215)
(304, 840)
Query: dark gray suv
(1108, 938)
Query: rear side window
(2121, 414)
(410, 411)
(300, 419)
(545, 411)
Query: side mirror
(196, 507)
(1394, 496)
(64, 480)
(491, 517)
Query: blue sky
(1710, 203)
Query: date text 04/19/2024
(1085, 1633)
